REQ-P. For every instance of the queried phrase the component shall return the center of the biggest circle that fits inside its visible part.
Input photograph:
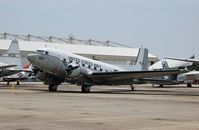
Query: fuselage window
(101, 70)
(89, 66)
(95, 68)
(83, 64)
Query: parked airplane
(54, 67)
(11, 65)
(25, 75)
(8, 66)
(174, 63)
(4, 71)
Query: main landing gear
(189, 85)
(85, 88)
(8, 83)
(18, 83)
(132, 87)
(52, 87)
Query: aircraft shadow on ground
(129, 92)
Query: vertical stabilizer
(13, 50)
(165, 65)
(141, 63)
(12, 56)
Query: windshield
(40, 51)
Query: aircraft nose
(32, 57)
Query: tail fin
(12, 56)
(192, 57)
(13, 50)
(165, 65)
(141, 63)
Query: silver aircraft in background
(54, 67)
(174, 63)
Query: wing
(7, 72)
(181, 59)
(128, 77)
(6, 66)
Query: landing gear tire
(85, 89)
(52, 88)
(8, 83)
(132, 87)
(161, 85)
(189, 85)
(17, 82)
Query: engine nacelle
(73, 70)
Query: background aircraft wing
(182, 59)
(4, 66)
(126, 77)
(7, 72)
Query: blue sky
(165, 27)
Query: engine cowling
(73, 70)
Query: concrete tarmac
(32, 107)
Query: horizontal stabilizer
(6, 66)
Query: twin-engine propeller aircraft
(54, 67)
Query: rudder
(141, 63)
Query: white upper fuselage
(169, 64)
(69, 58)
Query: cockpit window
(40, 51)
